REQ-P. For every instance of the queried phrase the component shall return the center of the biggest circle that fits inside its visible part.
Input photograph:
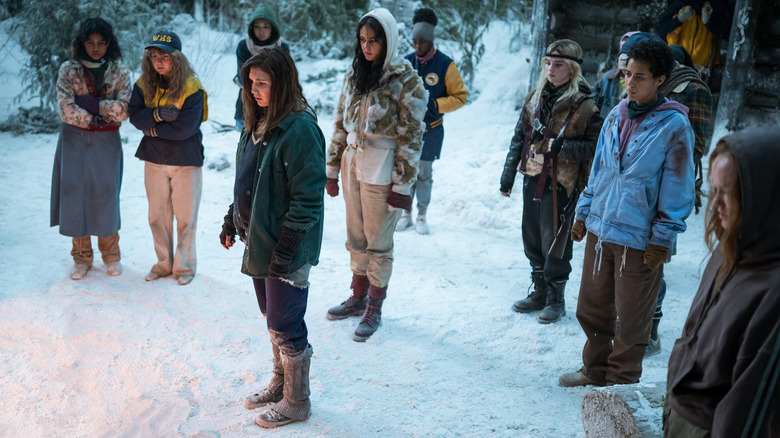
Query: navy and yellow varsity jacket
(446, 93)
(176, 143)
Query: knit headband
(550, 55)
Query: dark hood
(266, 13)
(758, 159)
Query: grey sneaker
(270, 419)
(653, 347)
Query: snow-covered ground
(122, 357)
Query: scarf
(254, 49)
(635, 110)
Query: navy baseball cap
(166, 41)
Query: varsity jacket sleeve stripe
(456, 91)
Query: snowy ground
(122, 357)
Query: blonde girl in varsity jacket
(169, 104)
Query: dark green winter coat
(288, 191)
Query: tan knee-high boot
(295, 405)
(273, 392)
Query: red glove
(398, 200)
(332, 187)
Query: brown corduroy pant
(623, 289)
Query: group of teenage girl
(633, 203)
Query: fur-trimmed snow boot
(295, 404)
(556, 306)
(536, 299)
(355, 304)
(273, 392)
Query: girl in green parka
(278, 212)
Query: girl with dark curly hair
(93, 90)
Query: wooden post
(624, 411)
(738, 63)
(540, 17)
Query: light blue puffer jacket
(646, 196)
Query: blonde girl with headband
(552, 146)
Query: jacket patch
(431, 79)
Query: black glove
(228, 235)
(288, 244)
(89, 103)
(166, 114)
(556, 146)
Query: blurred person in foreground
(724, 368)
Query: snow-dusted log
(624, 411)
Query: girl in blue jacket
(638, 196)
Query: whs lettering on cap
(166, 41)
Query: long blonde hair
(714, 231)
(568, 48)
(180, 72)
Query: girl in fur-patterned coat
(376, 145)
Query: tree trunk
(624, 411)
(198, 11)
(738, 63)
(539, 17)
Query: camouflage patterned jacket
(71, 83)
(386, 127)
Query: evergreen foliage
(44, 29)
(465, 21)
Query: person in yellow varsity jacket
(698, 26)
(168, 104)
(446, 93)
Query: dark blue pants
(538, 231)
(283, 306)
